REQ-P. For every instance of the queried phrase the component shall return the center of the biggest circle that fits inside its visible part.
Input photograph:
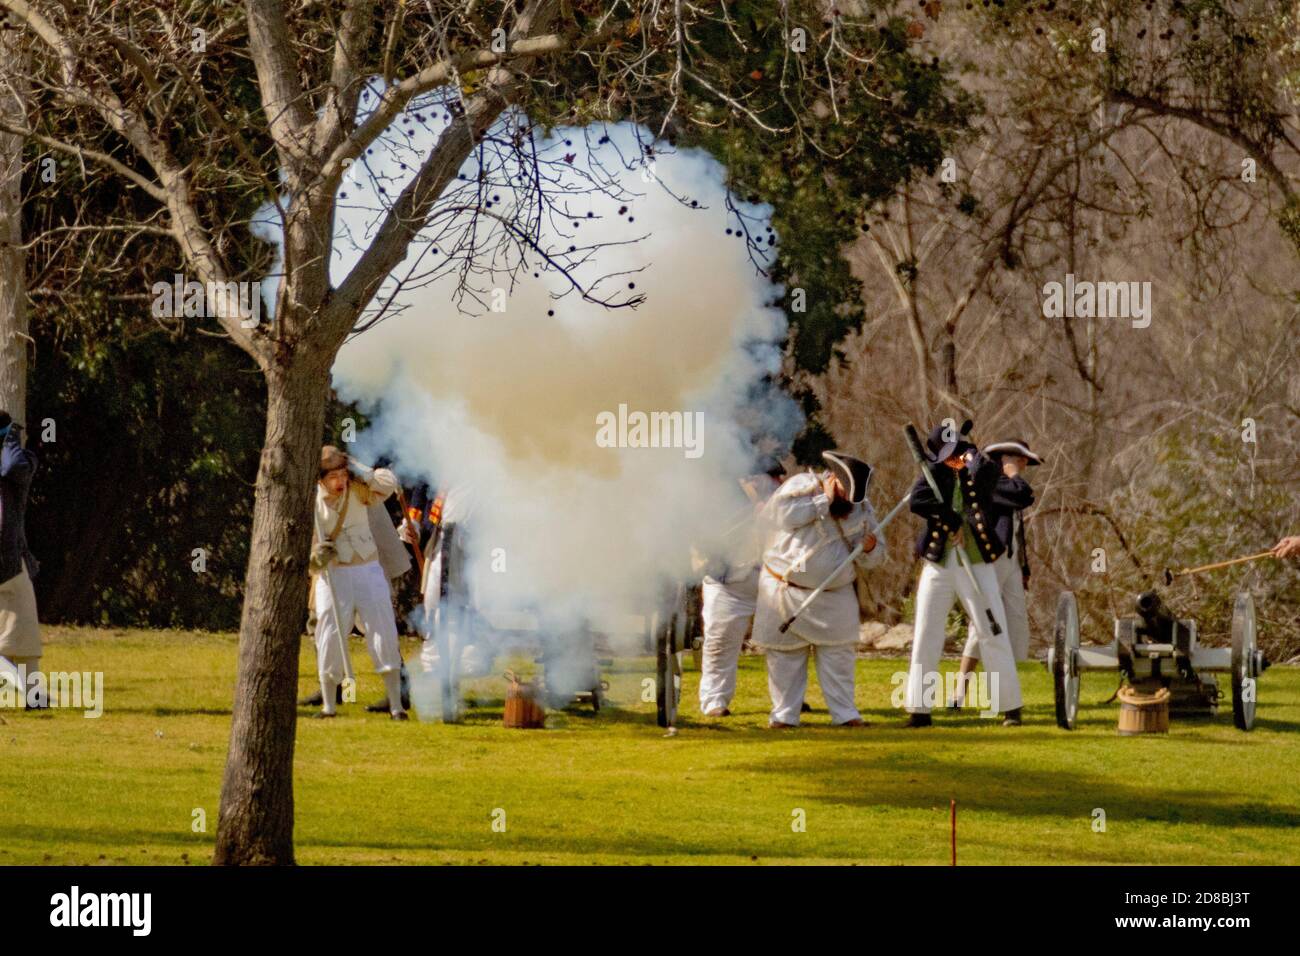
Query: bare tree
(14, 338)
(161, 98)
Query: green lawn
(613, 789)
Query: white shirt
(354, 542)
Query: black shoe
(919, 720)
(381, 706)
(318, 698)
(321, 715)
(1012, 718)
(400, 716)
(804, 708)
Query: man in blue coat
(1011, 495)
(959, 545)
(20, 632)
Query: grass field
(612, 788)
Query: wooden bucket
(1143, 713)
(523, 712)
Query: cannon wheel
(1243, 661)
(673, 636)
(1065, 661)
(668, 674)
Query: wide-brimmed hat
(941, 447)
(1013, 446)
(331, 459)
(854, 474)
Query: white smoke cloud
(506, 403)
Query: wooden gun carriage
(1154, 649)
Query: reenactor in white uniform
(816, 521)
(730, 596)
(344, 546)
(395, 559)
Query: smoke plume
(492, 378)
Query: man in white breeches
(730, 596)
(1011, 495)
(959, 518)
(728, 608)
(816, 522)
(1011, 587)
(349, 578)
(941, 584)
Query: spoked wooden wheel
(668, 673)
(1065, 661)
(1245, 662)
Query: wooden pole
(1223, 564)
(952, 821)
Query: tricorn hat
(1013, 446)
(943, 444)
(854, 474)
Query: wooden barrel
(1143, 712)
(523, 712)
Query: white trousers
(727, 611)
(1012, 586)
(787, 680)
(940, 585)
(359, 589)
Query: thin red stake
(952, 819)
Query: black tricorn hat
(942, 444)
(1013, 446)
(854, 474)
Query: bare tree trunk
(949, 362)
(14, 89)
(256, 818)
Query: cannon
(676, 628)
(1154, 648)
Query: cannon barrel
(1157, 619)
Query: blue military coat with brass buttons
(979, 480)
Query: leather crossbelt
(782, 578)
(786, 581)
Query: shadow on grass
(906, 779)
